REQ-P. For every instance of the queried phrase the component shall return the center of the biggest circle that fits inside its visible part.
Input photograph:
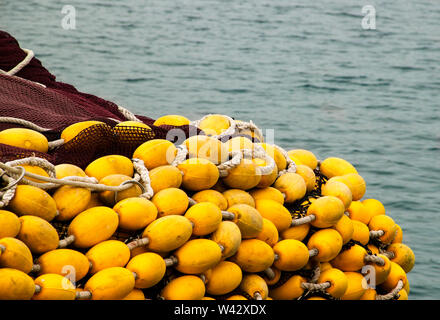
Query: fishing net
(33, 98)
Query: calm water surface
(305, 68)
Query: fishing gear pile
(99, 203)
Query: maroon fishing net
(58, 105)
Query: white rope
(35, 161)
(291, 166)
(316, 286)
(393, 293)
(374, 259)
(238, 155)
(24, 123)
(140, 168)
(242, 126)
(128, 114)
(228, 132)
(7, 193)
(303, 220)
(21, 65)
(182, 152)
(224, 167)
(71, 181)
(56, 143)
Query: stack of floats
(211, 218)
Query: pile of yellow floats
(304, 233)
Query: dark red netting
(59, 105)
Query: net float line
(393, 293)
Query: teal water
(304, 68)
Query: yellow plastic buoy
(369, 294)
(205, 216)
(289, 290)
(292, 255)
(71, 201)
(338, 190)
(149, 268)
(361, 232)
(304, 157)
(135, 294)
(239, 143)
(402, 255)
(212, 196)
(198, 174)
(236, 297)
(110, 284)
(248, 219)
(168, 233)
(245, 176)
(15, 254)
(73, 130)
(328, 242)
(187, 287)
(93, 226)
(357, 211)
(266, 179)
(164, 177)
(238, 196)
(292, 185)
(269, 193)
(399, 235)
(351, 259)
(223, 278)
(357, 285)
(24, 138)
(15, 285)
(30, 200)
(106, 254)
(54, 287)
(338, 282)
(355, 183)
(327, 211)
(108, 197)
(381, 272)
(135, 124)
(254, 286)
(374, 207)
(386, 224)
(170, 201)
(207, 148)
(214, 124)
(198, 255)
(345, 228)
(308, 175)
(396, 274)
(172, 120)
(65, 262)
(108, 165)
(156, 153)
(275, 212)
(135, 213)
(275, 154)
(227, 235)
(269, 233)
(296, 232)
(9, 224)
(38, 234)
(68, 170)
(333, 166)
(254, 255)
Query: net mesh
(59, 105)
